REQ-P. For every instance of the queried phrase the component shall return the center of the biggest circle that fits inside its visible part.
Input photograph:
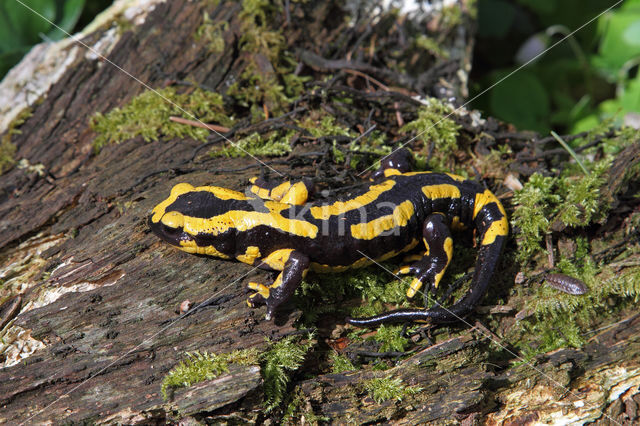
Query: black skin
(435, 230)
(292, 274)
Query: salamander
(273, 227)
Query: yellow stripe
(279, 191)
(183, 188)
(444, 190)
(369, 230)
(341, 207)
(499, 227)
(242, 220)
(485, 198)
(296, 195)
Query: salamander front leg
(295, 269)
(439, 248)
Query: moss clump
(391, 338)
(198, 367)
(340, 363)
(386, 388)
(561, 320)
(277, 362)
(147, 115)
(274, 144)
(569, 200)
(434, 126)
(268, 80)
(7, 148)
(211, 33)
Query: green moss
(387, 388)
(391, 338)
(268, 79)
(147, 115)
(340, 363)
(211, 32)
(277, 362)
(198, 367)
(570, 200)
(7, 148)
(535, 203)
(274, 144)
(433, 126)
(561, 320)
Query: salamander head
(197, 219)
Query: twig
(570, 151)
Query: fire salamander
(274, 228)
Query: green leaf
(620, 41)
(522, 100)
(630, 99)
(30, 23)
(495, 18)
(71, 10)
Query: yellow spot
(414, 287)
(341, 207)
(191, 247)
(499, 227)
(444, 190)
(485, 198)
(369, 230)
(296, 195)
(448, 249)
(251, 254)
(391, 172)
(426, 245)
(279, 191)
(262, 289)
(278, 282)
(277, 259)
(404, 270)
(173, 220)
(260, 192)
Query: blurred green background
(589, 78)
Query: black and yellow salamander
(273, 227)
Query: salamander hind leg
(429, 269)
(295, 269)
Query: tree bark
(98, 292)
